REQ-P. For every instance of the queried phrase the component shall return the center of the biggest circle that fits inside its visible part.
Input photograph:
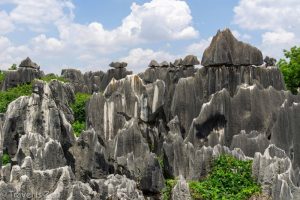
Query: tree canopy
(290, 68)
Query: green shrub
(78, 108)
(5, 159)
(6, 97)
(229, 179)
(51, 77)
(167, 191)
(78, 127)
(13, 67)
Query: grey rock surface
(23, 75)
(118, 65)
(225, 49)
(27, 63)
(273, 169)
(190, 60)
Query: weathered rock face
(192, 92)
(37, 126)
(27, 63)
(90, 82)
(225, 49)
(250, 109)
(273, 169)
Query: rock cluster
(225, 49)
(26, 73)
(169, 121)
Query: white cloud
(138, 59)
(278, 37)
(198, 47)
(267, 14)
(158, 20)
(6, 24)
(279, 19)
(85, 44)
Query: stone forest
(228, 129)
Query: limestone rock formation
(26, 73)
(118, 65)
(190, 60)
(153, 64)
(225, 49)
(269, 61)
(27, 63)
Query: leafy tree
(78, 108)
(290, 68)
(13, 67)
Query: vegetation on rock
(6, 97)
(2, 77)
(167, 191)
(229, 179)
(50, 77)
(290, 68)
(78, 108)
(5, 159)
(13, 67)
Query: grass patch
(78, 108)
(5, 159)
(167, 191)
(6, 97)
(230, 179)
(50, 77)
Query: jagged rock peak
(27, 63)
(118, 65)
(190, 60)
(225, 49)
(153, 64)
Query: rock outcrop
(26, 73)
(225, 49)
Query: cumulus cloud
(278, 19)
(138, 58)
(158, 20)
(198, 48)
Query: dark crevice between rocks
(214, 122)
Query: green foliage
(2, 77)
(230, 179)
(50, 77)
(5, 159)
(13, 67)
(6, 97)
(78, 108)
(167, 191)
(78, 127)
(290, 68)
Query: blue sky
(88, 35)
